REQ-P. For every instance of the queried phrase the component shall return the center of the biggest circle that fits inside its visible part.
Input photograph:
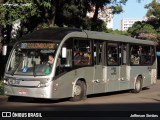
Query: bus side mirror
(64, 52)
(4, 50)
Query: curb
(3, 96)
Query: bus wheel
(79, 91)
(138, 85)
(11, 98)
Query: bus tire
(79, 91)
(11, 98)
(138, 85)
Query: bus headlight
(11, 81)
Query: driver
(50, 59)
(50, 62)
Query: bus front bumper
(34, 92)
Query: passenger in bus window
(77, 57)
(136, 59)
(81, 58)
(85, 59)
(50, 62)
(50, 59)
(139, 51)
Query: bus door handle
(96, 81)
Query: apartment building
(128, 22)
(158, 1)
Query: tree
(153, 14)
(31, 13)
(117, 32)
(48, 13)
(149, 29)
(71, 13)
(1, 36)
(153, 10)
(115, 5)
(143, 30)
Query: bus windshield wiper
(34, 68)
(16, 68)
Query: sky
(132, 9)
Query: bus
(85, 62)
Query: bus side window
(135, 57)
(113, 56)
(66, 54)
(81, 52)
(146, 57)
(68, 61)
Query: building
(104, 14)
(128, 22)
(158, 1)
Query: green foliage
(117, 32)
(71, 13)
(1, 87)
(36, 14)
(117, 6)
(141, 27)
(153, 15)
(143, 30)
(117, 9)
(149, 29)
(99, 25)
(31, 13)
(13, 10)
(46, 4)
(153, 9)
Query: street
(147, 100)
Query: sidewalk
(3, 98)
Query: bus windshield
(31, 58)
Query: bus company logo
(6, 114)
(19, 114)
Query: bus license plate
(22, 92)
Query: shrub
(1, 87)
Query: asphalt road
(147, 100)
(114, 105)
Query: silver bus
(85, 62)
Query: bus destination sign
(37, 45)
